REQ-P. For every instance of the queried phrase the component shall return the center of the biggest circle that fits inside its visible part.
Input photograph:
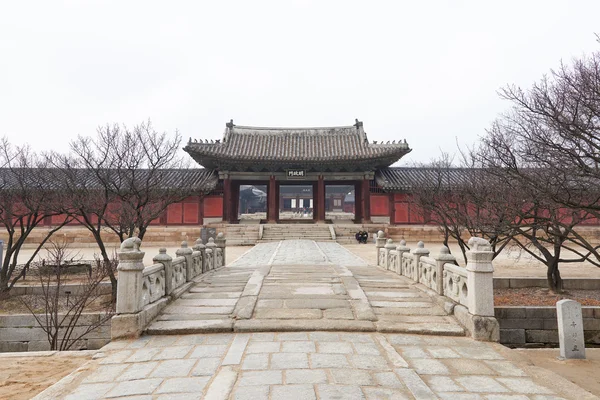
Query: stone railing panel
(455, 283)
(408, 265)
(153, 285)
(142, 292)
(428, 272)
(212, 259)
(179, 276)
(197, 263)
(219, 260)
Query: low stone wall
(537, 326)
(568, 283)
(22, 333)
(77, 236)
(21, 290)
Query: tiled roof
(407, 178)
(50, 178)
(294, 147)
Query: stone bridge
(295, 285)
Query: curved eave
(208, 159)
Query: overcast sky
(424, 71)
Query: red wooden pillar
(358, 206)
(272, 206)
(235, 202)
(201, 210)
(320, 199)
(366, 202)
(227, 200)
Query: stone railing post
(199, 246)
(442, 258)
(166, 260)
(379, 244)
(419, 252)
(212, 246)
(480, 280)
(186, 252)
(401, 249)
(389, 246)
(129, 284)
(221, 243)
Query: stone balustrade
(143, 291)
(465, 291)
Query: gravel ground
(542, 297)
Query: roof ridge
(266, 128)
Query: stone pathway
(303, 285)
(308, 365)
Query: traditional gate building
(306, 170)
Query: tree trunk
(107, 262)
(555, 283)
(4, 289)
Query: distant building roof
(407, 178)
(50, 178)
(340, 148)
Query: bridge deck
(303, 285)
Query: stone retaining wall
(568, 283)
(537, 326)
(21, 332)
(74, 288)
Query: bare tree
(63, 313)
(463, 202)
(28, 195)
(546, 149)
(124, 179)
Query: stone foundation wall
(78, 236)
(161, 235)
(22, 333)
(537, 326)
(568, 283)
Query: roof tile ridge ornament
(228, 128)
(361, 130)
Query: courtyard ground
(24, 375)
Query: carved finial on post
(212, 246)
(419, 252)
(186, 252)
(379, 245)
(129, 284)
(221, 244)
(480, 281)
(401, 249)
(442, 258)
(166, 260)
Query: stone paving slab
(310, 365)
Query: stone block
(510, 312)
(549, 324)
(11, 347)
(479, 327)
(588, 312)
(541, 312)
(527, 282)
(501, 283)
(522, 323)
(512, 336)
(592, 337)
(541, 336)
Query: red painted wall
(380, 205)
(213, 206)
